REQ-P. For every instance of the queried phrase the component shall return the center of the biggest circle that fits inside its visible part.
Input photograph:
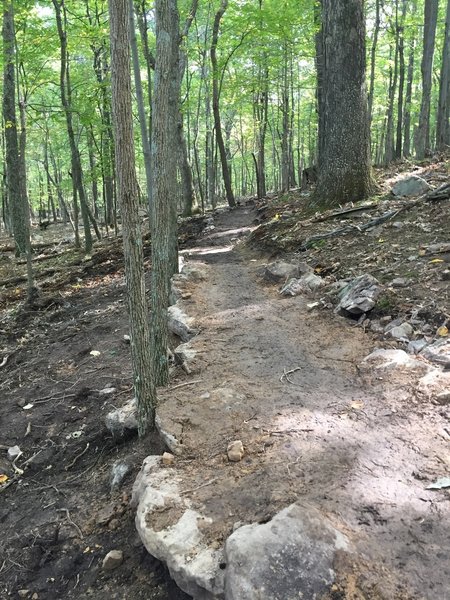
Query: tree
(164, 162)
(215, 103)
(128, 192)
(17, 197)
(443, 113)
(422, 135)
(344, 160)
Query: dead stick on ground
(69, 520)
(175, 387)
(200, 486)
(77, 457)
(286, 373)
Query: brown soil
(359, 448)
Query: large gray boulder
(411, 186)
(438, 352)
(359, 296)
(288, 558)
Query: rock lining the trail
(411, 186)
(290, 555)
(359, 296)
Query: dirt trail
(349, 443)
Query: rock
(169, 437)
(235, 451)
(445, 275)
(23, 593)
(119, 471)
(376, 327)
(179, 323)
(433, 383)
(122, 420)
(279, 271)
(105, 515)
(174, 533)
(400, 282)
(195, 273)
(107, 391)
(359, 296)
(288, 558)
(402, 332)
(393, 359)
(127, 339)
(13, 453)
(306, 283)
(443, 398)
(112, 560)
(417, 346)
(168, 459)
(184, 354)
(438, 352)
(392, 323)
(411, 186)
(385, 320)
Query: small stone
(23, 593)
(168, 459)
(402, 332)
(119, 471)
(35, 596)
(443, 398)
(112, 560)
(107, 391)
(235, 451)
(127, 339)
(445, 276)
(114, 524)
(399, 282)
(417, 346)
(14, 452)
(105, 515)
(385, 320)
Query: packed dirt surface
(316, 425)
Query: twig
(175, 387)
(286, 373)
(66, 510)
(4, 361)
(69, 466)
(200, 486)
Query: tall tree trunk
(408, 100)
(17, 199)
(373, 52)
(141, 109)
(422, 136)
(65, 91)
(401, 82)
(215, 102)
(164, 157)
(389, 134)
(345, 169)
(443, 112)
(128, 193)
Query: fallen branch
(77, 457)
(180, 385)
(346, 211)
(200, 486)
(287, 373)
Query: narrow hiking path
(316, 427)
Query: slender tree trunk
(401, 82)
(408, 100)
(17, 199)
(389, 134)
(141, 109)
(345, 169)
(164, 158)
(215, 102)
(422, 136)
(128, 193)
(65, 91)
(373, 52)
(443, 112)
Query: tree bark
(164, 158)
(65, 91)
(443, 112)
(215, 104)
(128, 194)
(344, 165)
(422, 137)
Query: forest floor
(360, 447)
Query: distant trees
(247, 118)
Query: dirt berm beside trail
(354, 446)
